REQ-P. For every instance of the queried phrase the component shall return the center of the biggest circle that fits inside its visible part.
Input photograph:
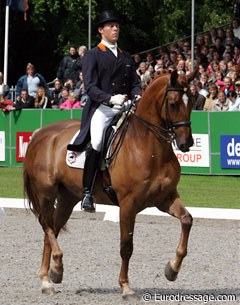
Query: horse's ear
(174, 77)
(193, 74)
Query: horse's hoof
(48, 291)
(55, 277)
(170, 274)
(131, 297)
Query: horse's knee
(187, 220)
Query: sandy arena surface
(92, 261)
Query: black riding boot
(90, 170)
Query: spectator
(212, 68)
(82, 50)
(213, 96)
(234, 101)
(6, 104)
(227, 85)
(144, 74)
(233, 72)
(203, 59)
(219, 47)
(200, 40)
(150, 59)
(198, 100)
(173, 59)
(71, 102)
(213, 33)
(181, 66)
(70, 85)
(4, 89)
(24, 100)
(237, 88)
(64, 95)
(231, 39)
(219, 79)
(236, 55)
(223, 68)
(207, 39)
(30, 81)
(204, 80)
(222, 102)
(236, 27)
(186, 48)
(151, 70)
(69, 66)
(41, 99)
(221, 34)
(80, 91)
(159, 67)
(137, 60)
(56, 94)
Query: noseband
(170, 126)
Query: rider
(110, 79)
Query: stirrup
(87, 203)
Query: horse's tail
(33, 202)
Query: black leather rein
(171, 126)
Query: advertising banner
(198, 155)
(230, 151)
(2, 145)
(22, 140)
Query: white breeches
(100, 121)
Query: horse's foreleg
(178, 210)
(127, 221)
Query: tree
(53, 25)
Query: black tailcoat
(104, 75)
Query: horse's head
(176, 110)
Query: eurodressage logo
(230, 152)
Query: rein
(171, 126)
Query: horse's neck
(149, 110)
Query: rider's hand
(118, 99)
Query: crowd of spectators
(217, 53)
(32, 90)
(216, 87)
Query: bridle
(170, 126)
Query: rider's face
(110, 32)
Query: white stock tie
(114, 50)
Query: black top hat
(107, 16)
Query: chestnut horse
(144, 173)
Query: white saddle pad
(74, 158)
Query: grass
(195, 191)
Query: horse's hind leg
(65, 204)
(46, 219)
(177, 209)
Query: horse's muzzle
(184, 144)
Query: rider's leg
(90, 171)
(100, 121)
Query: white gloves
(117, 99)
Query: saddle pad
(75, 159)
